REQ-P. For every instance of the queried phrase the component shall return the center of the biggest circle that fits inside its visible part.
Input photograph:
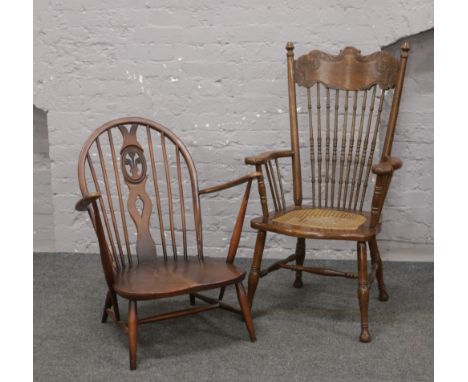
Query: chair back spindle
(137, 165)
(342, 149)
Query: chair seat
(318, 223)
(170, 278)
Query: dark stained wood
(232, 183)
(132, 332)
(182, 204)
(222, 305)
(169, 196)
(161, 278)
(118, 323)
(277, 265)
(119, 193)
(150, 276)
(254, 274)
(300, 255)
(177, 313)
(84, 203)
(268, 155)
(235, 238)
(358, 86)
(156, 191)
(245, 306)
(107, 305)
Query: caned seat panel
(322, 218)
(318, 223)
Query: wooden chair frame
(117, 270)
(352, 73)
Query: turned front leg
(363, 291)
(300, 255)
(376, 259)
(132, 333)
(254, 274)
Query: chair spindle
(169, 194)
(343, 147)
(335, 146)
(312, 144)
(119, 194)
(103, 209)
(372, 149)
(350, 148)
(109, 200)
(358, 147)
(156, 192)
(319, 147)
(327, 144)
(182, 203)
(366, 143)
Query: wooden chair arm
(384, 171)
(387, 167)
(236, 233)
(85, 201)
(230, 184)
(268, 155)
(106, 257)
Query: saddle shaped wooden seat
(161, 278)
(344, 98)
(133, 170)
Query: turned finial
(290, 48)
(405, 47)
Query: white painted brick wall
(215, 73)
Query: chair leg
(107, 305)
(132, 332)
(300, 253)
(254, 274)
(115, 305)
(376, 259)
(221, 293)
(363, 291)
(245, 307)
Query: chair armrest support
(268, 155)
(387, 166)
(232, 183)
(236, 233)
(106, 257)
(384, 171)
(85, 201)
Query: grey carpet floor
(308, 334)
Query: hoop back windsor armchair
(345, 97)
(152, 182)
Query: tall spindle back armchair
(345, 97)
(140, 187)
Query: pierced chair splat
(133, 170)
